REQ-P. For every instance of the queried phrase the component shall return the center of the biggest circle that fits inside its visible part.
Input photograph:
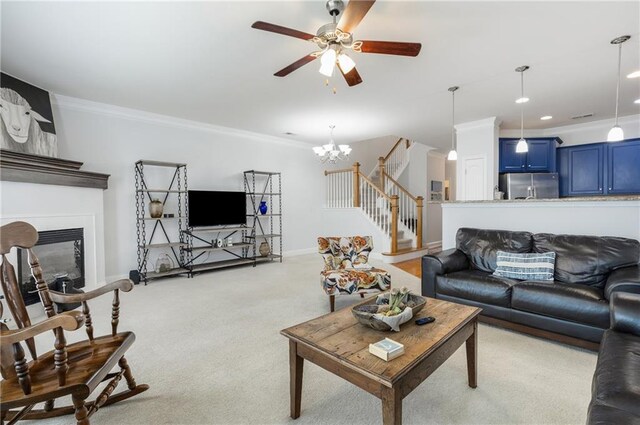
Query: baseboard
(435, 246)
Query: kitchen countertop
(570, 199)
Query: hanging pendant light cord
(522, 105)
(453, 120)
(618, 84)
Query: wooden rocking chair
(75, 369)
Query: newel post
(356, 185)
(419, 206)
(394, 224)
(381, 172)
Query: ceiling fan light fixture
(346, 63)
(328, 62)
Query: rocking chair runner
(75, 369)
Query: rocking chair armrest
(125, 285)
(69, 321)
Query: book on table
(387, 349)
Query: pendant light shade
(328, 61)
(522, 146)
(453, 155)
(616, 134)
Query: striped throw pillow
(525, 266)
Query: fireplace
(61, 256)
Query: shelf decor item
(263, 207)
(389, 310)
(155, 208)
(164, 263)
(264, 249)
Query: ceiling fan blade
(297, 64)
(390, 48)
(352, 77)
(265, 26)
(353, 14)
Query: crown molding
(592, 125)
(486, 122)
(82, 105)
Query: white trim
(542, 204)
(72, 103)
(434, 246)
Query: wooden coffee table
(339, 344)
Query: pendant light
(616, 134)
(522, 146)
(453, 155)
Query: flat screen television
(216, 208)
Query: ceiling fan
(335, 39)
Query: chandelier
(330, 152)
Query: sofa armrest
(625, 312)
(625, 279)
(449, 261)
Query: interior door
(475, 178)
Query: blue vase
(263, 207)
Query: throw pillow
(531, 266)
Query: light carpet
(211, 351)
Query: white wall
(435, 171)
(578, 134)
(111, 139)
(450, 175)
(366, 152)
(604, 218)
(478, 139)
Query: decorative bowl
(365, 313)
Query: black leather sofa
(574, 308)
(616, 383)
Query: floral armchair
(346, 267)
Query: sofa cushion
(481, 246)
(576, 303)
(616, 382)
(525, 266)
(476, 285)
(587, 260)
(600, 414)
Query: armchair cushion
(345, 252)
(352, 281)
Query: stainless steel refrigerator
(530, 185)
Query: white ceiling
(202, 61)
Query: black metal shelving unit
(200, 242)
(264, 186)
(166, 232)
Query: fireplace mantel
(27, 168)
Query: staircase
(386, 204)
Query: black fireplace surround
(588, 271)
(61, 257)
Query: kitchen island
(597, 215)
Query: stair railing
(409, 207)
(350, 188)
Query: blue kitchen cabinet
(581, 170)
(541, 157)
(623, 167)
(510, 160)
(600, 169)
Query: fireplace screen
(61, 255)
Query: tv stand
(201, 242)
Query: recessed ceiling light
(634, 74)
(636, 101)
(546, 117)
(522, 100)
